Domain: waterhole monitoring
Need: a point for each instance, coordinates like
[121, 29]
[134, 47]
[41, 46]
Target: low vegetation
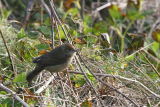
[118, 63]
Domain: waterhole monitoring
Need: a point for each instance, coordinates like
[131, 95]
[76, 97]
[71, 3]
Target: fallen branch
[45, 85]
[89, 82]
[123, 78]
[14, 95]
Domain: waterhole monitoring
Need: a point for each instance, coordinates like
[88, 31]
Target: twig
[54, 12]
[71, 91]
[123, 78]
[82, 8]
[52, 98]
[140, 49]
[157, 105]
[111, 87]
[155, 70]
[1, 5]
[105, 6]
[51, 15]
[154, 26]
[14, 95]
[52, 24]
[58, 33]
[61, 83]
[94, 89]
[28, 12]
[52, 33]
[46, 7]
[59, 21]
[45, 85]
[9, 54]
[153, 57]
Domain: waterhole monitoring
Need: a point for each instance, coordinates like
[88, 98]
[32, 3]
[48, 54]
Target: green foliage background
[120, 54]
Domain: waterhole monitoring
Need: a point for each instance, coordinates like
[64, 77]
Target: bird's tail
[34, 73]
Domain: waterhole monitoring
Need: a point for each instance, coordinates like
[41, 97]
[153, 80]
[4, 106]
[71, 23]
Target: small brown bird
[54, 61]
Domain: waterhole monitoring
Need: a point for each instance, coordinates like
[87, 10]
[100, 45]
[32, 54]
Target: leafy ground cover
[118, 63]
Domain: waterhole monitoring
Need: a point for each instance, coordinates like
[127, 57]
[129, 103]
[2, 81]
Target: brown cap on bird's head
[69, 47]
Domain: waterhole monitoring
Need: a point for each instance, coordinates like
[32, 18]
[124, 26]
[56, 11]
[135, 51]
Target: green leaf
[21, 34]
[47, 21]
[86, 29]
[115, 12]
[25, 48]
[42, 46]
[20, 77]
[3, 105]
[73, 12]
[156, 48]
[8, 102]
[100, 27]
[78, 80]
[147, 13]
[130, 57]
[133, 10]
[5, 13]
[152, 74]
[3, 92]
[156, 35]
[45, 30]
[61, 33]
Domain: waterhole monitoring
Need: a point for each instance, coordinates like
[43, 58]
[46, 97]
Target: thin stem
[9, 54]
[124, 34]
[14, 95]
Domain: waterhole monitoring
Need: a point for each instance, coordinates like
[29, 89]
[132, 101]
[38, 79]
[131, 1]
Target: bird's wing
[36, 59]
[51, 58]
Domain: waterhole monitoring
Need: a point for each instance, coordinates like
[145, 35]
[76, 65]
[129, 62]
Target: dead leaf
[68, 3]
[44, 40]
[79, 41]
[30, 95]
[156, 35]
[86, 103]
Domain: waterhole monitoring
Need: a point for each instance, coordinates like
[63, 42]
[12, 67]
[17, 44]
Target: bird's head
[69, 49]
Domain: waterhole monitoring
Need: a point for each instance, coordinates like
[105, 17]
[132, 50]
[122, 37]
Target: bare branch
[13, 94]
[9, 54]
[122, 78]
[111, 87]
[28, 12]
[45, 85]
[89, 82]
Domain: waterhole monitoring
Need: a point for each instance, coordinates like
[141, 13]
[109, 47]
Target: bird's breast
[59, 68]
